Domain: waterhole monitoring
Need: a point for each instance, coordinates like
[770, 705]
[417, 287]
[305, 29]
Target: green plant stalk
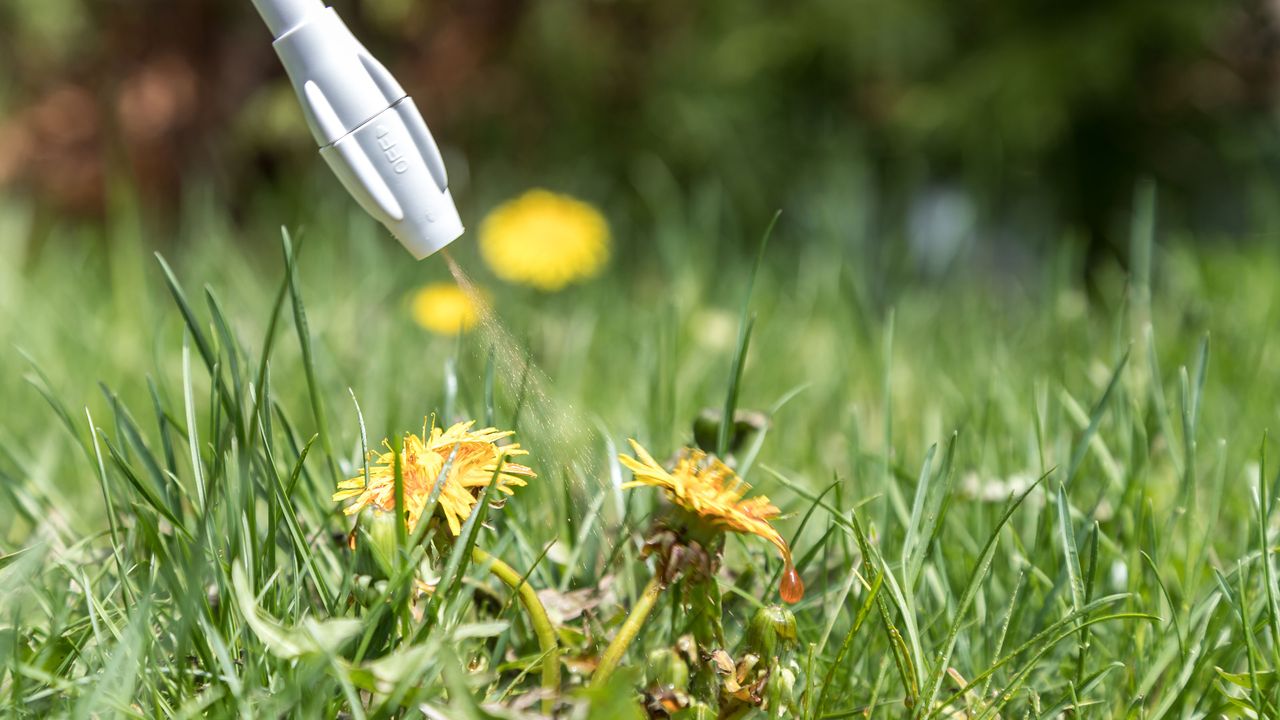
[537, 618]
[702, 597]
[627, 633]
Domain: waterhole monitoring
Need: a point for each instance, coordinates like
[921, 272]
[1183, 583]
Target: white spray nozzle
[369, 131]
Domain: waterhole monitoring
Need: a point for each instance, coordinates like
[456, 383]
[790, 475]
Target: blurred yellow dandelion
[545, 240]
[706, 487]
[443, 308]
[475, 460]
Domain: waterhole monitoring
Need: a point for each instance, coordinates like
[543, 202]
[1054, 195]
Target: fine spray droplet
[562, 424]
[792, 587]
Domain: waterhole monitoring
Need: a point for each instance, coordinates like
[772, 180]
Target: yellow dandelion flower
[708, 488]
[443, 308]
[474, 462]
[545, 240]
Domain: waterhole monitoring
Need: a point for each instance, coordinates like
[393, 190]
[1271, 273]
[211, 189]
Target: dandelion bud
[780, 690]
[769, 626]
[375, 543]
[746, 426]
[667, 670]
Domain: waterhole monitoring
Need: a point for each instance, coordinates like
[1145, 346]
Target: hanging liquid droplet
[792, 587]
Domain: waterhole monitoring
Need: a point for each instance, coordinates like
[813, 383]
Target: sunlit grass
[1003, 498]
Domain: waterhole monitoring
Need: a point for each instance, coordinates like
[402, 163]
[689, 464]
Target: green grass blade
[745, 322]
[934, 684]
[1095, 420]
[308, 357]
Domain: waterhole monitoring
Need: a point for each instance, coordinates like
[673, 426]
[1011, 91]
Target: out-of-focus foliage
[1016, 113]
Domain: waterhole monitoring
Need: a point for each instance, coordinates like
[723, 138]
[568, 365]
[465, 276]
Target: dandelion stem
[537, 618]
[635, 620]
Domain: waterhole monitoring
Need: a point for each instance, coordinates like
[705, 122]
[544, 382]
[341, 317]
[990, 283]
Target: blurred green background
[931, 126]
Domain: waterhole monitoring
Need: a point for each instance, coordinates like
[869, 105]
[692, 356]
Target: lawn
[1006, 495]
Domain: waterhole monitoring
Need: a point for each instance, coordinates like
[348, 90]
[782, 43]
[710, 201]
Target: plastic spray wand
[369, 131]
